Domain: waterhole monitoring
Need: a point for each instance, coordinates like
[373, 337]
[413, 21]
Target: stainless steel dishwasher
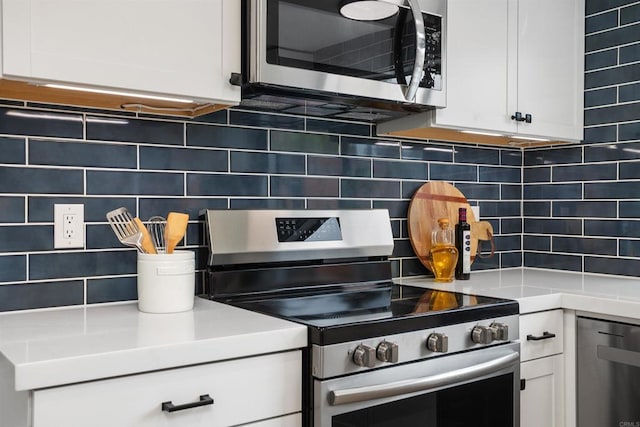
[608, 373]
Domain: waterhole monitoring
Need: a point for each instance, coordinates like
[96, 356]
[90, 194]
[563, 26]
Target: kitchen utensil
[156, 226]
[175, 229]
[147, 243]
[125, 228]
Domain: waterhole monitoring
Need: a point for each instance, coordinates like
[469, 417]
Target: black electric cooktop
[357, 312]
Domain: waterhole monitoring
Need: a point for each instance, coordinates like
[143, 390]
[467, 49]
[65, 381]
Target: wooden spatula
[147, 243]
[175, 230]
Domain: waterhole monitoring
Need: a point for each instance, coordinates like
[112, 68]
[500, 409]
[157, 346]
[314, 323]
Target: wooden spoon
[175, 230]
[147, 244]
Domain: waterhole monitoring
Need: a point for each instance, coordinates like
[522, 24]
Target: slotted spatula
[125, 228]
[175, 229]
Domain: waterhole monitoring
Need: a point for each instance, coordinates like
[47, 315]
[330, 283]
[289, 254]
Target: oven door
[479, 388]
[307, 44]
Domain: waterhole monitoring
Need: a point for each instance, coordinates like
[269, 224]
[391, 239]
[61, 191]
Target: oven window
[485, 403]
[312, 35]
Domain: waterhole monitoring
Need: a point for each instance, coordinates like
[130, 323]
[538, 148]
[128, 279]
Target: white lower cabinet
[260, 391]
[542, 400]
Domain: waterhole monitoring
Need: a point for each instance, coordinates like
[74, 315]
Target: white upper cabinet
[177, 48]
[506, 57]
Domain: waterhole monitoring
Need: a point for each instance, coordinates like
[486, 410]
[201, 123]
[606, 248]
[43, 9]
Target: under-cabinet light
[481, 133]
[119, 93]
[528, 138]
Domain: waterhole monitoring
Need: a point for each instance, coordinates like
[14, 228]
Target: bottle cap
[462, 215]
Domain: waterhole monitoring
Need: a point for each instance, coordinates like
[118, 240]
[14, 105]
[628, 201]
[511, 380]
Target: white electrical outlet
[68, 226]
[476, 212]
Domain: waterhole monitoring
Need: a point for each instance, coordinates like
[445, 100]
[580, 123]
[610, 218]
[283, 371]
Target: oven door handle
[367, 393]
[421, 51]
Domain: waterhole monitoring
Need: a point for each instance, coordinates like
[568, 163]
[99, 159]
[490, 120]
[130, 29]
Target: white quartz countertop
[61, 346]
[538, 290]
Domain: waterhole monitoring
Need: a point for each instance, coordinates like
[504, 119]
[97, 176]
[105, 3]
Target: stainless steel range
[379, 354]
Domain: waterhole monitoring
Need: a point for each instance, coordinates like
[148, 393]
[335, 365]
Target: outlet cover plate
[68, 226]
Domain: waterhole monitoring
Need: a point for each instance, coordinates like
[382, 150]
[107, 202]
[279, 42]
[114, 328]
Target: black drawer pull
[545, 336]
[205, 400]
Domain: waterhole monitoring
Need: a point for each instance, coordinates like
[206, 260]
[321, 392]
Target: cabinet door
[542, 400]
[550, 67]
[477, 67]
[184, 48]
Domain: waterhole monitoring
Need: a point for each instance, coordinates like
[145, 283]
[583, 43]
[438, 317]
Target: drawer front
[537, 332]
[242, 390]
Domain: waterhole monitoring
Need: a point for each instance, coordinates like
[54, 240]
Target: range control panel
[308, 229]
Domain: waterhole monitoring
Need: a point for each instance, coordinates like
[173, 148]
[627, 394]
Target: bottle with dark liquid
[463, 244]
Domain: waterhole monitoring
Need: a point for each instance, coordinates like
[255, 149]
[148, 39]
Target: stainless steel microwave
[311, 47]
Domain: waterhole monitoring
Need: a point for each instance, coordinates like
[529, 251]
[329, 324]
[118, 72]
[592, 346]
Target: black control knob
[482, 334]
[438, 343]
[364, 356]
[387, 352]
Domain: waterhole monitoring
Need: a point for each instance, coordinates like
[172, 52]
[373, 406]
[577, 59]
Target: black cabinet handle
[205, 400]
[236, 79]
[517, 117]
[528, 118]
[545, 336]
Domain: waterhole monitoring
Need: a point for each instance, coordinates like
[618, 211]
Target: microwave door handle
[421, 49]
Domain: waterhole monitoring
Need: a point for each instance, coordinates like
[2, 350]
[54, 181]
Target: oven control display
[308, 229]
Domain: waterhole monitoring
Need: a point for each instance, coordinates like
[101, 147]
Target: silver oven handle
[421, 47]
[363, 394]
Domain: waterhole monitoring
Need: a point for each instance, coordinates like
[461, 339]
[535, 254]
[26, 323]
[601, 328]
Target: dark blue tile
[444, 172]
[474, 191]
[12, 209]
[135, 130]
[12, 150]
[630, 53]
[553, 156]
[611, 76]
[242, 161]
[595, 6]
[413, 267]
[112, 290]
[629, 209]
[603, 21]
[598, 97]
[135, 183]
[510, 226]
[630, 92]
[338, 166]
[617, 266]
[600, 134]
[537, 174]
[86, 264]
[536, 243]
[536, 209]
[267, 204]
[400, 169]
[40, 181]
[580, 209]
[101, 236]
[511, 192]
[477, 155]
[612, 190]
[615, 37]
[500, 174]
[553, 226]
[629, 170]
[244, 118]
[553, 261]
[41, 295]
[629, 131]
[183, 159]
[226, 137]
[397, 209]
[95, 208]
[338, 204]
[602, 59]
[576, 245]
[360, 188]
[489, 263]
[219, 117]
[511, 259]
[395, 268]
[611, 228]
[612, 114]
[344, 128]
[227, 185]
[427, 152]
[370, 147]
[408, 188]
[13, 268]
[304, 142]
[24, 238]
[500, 209]
[629, 15]
[65, 153]
[304, 187]
[396, 229]
[11, 102]
[630, 248]
[402, 248]
[511, 158]
[599, 172]
[552, 191]
[610, 152]
[508, 243]
[14, 121]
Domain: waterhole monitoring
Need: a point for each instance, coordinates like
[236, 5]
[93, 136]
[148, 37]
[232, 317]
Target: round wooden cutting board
[433, 200]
